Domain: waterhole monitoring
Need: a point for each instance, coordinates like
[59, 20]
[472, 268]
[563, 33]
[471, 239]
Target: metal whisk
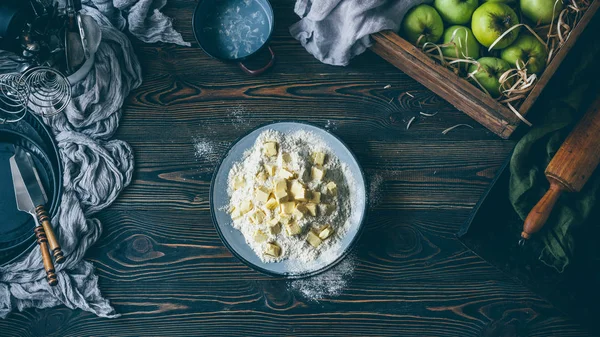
[14, 98]
[49, 90]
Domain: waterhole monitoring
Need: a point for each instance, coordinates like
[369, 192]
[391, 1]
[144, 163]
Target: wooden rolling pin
[569, 169]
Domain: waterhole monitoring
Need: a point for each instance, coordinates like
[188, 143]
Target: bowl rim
[326, 267]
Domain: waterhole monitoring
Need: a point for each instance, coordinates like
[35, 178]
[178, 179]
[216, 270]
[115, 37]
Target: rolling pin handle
[540, 212]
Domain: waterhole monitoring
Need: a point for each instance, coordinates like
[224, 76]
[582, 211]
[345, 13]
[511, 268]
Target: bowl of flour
[289, 199]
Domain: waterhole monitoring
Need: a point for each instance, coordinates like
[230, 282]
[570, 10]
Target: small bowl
[234, 239]
[235, 30]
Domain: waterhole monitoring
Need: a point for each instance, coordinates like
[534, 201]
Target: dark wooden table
[164, 268]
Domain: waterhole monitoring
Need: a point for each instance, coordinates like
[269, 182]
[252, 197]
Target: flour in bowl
[291, 197]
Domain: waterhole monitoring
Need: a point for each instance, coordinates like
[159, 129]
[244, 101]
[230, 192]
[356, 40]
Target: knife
[31, 198]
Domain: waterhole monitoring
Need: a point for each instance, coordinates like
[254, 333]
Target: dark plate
[16, 226]
[16, 237]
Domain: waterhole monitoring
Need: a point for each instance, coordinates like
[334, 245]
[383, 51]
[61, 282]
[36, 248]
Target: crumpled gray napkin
[96, 168]
[334, 31]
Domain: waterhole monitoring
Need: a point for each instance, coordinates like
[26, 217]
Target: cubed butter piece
[315, 197]
[260, 236]
[285, 174]
[276, 229]
[313, 239]
[257, 217]
[325, 232]
[288, 207]
[284, 219]
[280, 191]
[273, 249]
[271, 204]
[286, 157]
[235, 213]
[318, 158]
[293, 228]
[271, 169]
[298, 191]
[298, 215]
[245, 207]
[271, 149]
[261, 177]
[317, 172]
[238, 182]
[261, 195]
[331, 187]
[311, 208]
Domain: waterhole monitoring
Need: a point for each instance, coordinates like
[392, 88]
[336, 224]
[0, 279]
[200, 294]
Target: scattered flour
[238, 116]
[334, 209]
[331, 125]
[330, 283]
[375, 189]
[206, 150]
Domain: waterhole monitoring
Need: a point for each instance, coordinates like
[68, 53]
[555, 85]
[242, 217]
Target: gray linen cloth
[334, 31]
[96, 169]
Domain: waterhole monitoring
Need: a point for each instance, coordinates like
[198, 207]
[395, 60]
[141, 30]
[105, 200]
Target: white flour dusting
[238, 116]
[331, 125]
[294, 154]
[206, 150]
[327, 284]
[375, 187]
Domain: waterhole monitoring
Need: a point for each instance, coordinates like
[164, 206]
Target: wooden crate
[458, 91]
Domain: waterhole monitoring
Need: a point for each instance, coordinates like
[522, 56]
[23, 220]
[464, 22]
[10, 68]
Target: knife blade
[31, 196]
[26, 203]
[29, 191]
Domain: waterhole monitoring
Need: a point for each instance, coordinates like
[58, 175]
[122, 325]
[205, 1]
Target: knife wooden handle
[46, 259]
[44, 219]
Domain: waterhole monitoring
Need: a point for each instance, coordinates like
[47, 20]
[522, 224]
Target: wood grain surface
[164, 268]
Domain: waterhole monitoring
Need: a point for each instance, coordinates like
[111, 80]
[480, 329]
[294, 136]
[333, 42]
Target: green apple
[466, 44]
[541, 11]
[503, 1]
[527, 50]
[422, 20]
[488, 75]
[456, 12]
[491, 20]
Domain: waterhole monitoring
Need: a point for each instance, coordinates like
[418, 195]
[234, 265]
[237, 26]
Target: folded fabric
[535, 150]
[334, 31]
[96, 169]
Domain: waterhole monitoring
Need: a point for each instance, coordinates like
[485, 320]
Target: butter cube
[288, 207]
[286, 157]
[238, 182]
[245, 207]
[313, 239]
[235, 213]
[285, 174]
[311, 208]
[275, 229]
[270, 169]
[325, 232]
[293, 228]
[260, 236]
[318, 158]
[272, 249]
[284, 219]
[298, 215]
[298, 191]
[257, 217]
[280, 191]
[261, 195]
[317, 172]
[332, 187]
[271, 204]
[316, 197]
[261, 177]
[271, 149]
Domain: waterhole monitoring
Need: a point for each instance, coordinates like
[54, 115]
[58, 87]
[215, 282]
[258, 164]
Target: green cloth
[535, 150]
